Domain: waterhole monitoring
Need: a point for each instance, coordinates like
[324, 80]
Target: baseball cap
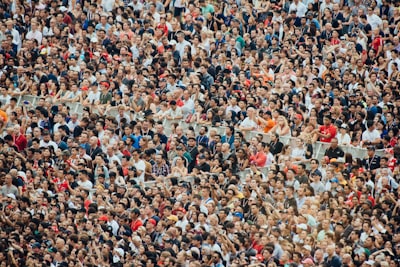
[238, 214]
[173, 218]
[11, 195]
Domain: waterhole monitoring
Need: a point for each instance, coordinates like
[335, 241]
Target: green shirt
[207, 9]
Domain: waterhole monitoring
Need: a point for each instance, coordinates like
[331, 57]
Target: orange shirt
[270, 124]
[3, 116]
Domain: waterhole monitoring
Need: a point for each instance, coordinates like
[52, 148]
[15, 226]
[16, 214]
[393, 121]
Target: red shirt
[376, 43]
[136, 224]
[260, 158]
[20, 142]
[330, 129]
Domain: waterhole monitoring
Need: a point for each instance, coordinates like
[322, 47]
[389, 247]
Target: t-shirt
[326, 130]
[141, 166]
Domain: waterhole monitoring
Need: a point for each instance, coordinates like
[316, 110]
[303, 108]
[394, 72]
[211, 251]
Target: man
[160, 168]
[334, 151]
[371, 136]
[47, 142]
[275, 146]
[202, 138]
[139, 164]
[174, 112]
[94, 149]
[332, 259]
[20, 140]
[259, 158]
[8, 189]
[326, 132]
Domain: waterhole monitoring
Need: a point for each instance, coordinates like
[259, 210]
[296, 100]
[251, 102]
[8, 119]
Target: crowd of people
[176, 152]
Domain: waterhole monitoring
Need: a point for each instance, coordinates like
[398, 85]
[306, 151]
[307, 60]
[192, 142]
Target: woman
[209, 118]
[285, 155]
[215, 165]
[282, 127]
[343, 136]
[179, 170]
[242, 159]
[198, 116]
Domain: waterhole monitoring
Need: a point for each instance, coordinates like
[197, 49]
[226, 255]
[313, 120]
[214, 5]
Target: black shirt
[334, 152]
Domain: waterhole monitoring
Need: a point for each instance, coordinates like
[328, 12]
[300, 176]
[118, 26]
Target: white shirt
[93, 96]
[371, 135]
[16, 38]
[5, 99]
[345, 139]
[298, 152]
[86, 185]
[140, 166]
[71, 125]
[50, 143]
[247, 123]
[35, 35]
[300, 8]
[188, 106]
[174, 113]
[180, 47]
[374, 21]
[107, 5]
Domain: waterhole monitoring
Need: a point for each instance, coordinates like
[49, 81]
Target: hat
[63, 8]
[307, 247]
[52, 250]
[85, 88]
[172, 103]
[153, 222]
[302, 226]
[11, 195]
[369, 262]
[36, 245]
[334, 180]
[173, 218]
[340, 160]
[120, 251]
[344, 126]
[308, 261]
[238, 214]
[172, 42]
[148, 112]
[310, 14]
[181, 210]
[299, 116]
[103, 218]
[105, 83]
[316, 172]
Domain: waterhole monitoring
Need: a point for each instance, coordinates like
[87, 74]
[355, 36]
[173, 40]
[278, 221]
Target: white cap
[302, 226]
[63, 8]
[120, 251]
[11, 195]
[172, 42]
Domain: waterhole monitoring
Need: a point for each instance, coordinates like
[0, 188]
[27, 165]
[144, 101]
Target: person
[326, 132]
[122, 78]
[334, 151]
